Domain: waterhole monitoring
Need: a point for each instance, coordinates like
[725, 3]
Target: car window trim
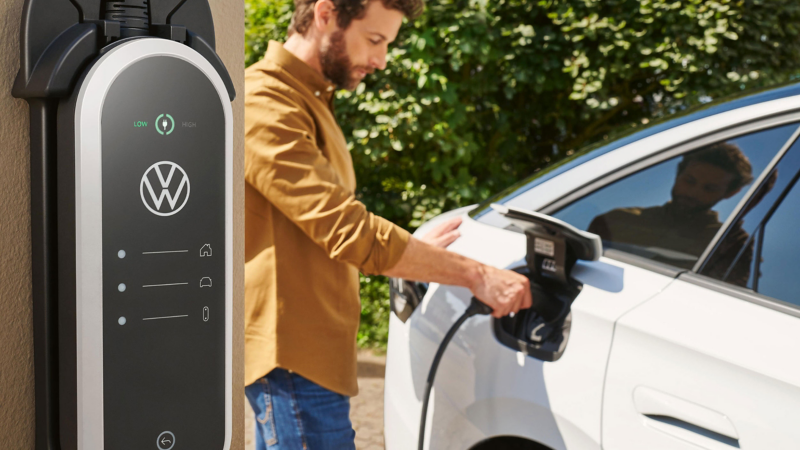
[677, 150]
[740, 293]
[723, 230]
[759, 247]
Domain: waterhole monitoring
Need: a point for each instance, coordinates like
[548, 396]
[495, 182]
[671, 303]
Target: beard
[336, 64]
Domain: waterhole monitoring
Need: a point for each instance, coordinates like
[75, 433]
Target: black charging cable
[475, 307]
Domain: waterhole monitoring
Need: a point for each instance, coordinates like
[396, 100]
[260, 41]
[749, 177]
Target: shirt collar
[316, 82]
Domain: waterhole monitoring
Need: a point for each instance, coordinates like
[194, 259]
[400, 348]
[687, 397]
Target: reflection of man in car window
[678, 231]
[732, 258]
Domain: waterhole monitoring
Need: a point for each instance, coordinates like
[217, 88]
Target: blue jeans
[293, 413]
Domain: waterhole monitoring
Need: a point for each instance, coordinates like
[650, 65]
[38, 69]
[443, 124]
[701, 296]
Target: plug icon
[165, 120]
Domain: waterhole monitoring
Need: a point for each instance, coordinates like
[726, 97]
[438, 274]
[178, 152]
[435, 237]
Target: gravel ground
[366, 409]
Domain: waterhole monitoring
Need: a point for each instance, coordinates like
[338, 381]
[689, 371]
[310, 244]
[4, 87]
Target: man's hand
[443, 234]
[504, 291]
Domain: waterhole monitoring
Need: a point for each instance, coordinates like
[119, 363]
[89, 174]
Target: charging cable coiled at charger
[475, 307]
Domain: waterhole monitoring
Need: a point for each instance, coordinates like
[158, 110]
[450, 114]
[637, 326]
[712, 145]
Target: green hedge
[479, 94]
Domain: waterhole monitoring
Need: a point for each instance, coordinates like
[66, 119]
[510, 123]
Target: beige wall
[16, 330]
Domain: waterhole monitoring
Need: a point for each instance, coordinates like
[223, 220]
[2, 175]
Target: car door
[713, 361]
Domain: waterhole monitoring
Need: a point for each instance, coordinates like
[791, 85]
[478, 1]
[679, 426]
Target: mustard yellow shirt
[306, 235]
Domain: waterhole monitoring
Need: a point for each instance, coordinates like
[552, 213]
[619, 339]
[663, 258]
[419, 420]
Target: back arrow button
[165, 441]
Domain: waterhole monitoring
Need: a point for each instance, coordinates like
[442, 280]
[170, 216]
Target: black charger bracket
[58, 38]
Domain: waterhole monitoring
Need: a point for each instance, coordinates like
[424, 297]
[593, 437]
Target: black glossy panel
[164, 368]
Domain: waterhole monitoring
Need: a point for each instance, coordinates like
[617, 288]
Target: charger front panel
[163, 258]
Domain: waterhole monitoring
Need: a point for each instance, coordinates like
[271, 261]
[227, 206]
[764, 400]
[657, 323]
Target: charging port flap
[553, 247]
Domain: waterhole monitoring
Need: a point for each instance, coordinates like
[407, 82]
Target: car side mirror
[405, 296]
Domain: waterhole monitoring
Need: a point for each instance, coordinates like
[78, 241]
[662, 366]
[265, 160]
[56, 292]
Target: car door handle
[666, 408]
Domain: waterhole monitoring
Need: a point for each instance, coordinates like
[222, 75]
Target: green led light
[161, 125]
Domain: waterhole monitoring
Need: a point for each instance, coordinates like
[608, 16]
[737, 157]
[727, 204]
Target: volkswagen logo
[172, 185]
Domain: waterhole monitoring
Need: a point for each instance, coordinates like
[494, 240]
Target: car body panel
[711, 350]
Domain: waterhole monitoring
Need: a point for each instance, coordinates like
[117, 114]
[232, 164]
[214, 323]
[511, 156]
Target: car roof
[729, 103]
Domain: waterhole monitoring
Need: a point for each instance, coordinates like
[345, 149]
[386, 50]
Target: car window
[779, 259]
[756, 251]
[670, 212]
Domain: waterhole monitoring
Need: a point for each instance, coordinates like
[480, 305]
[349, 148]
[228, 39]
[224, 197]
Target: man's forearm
[502, 290]
[424, 262]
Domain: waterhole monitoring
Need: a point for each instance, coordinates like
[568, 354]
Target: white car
[685, 334]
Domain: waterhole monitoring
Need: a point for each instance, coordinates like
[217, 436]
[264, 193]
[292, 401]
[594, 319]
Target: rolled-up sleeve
[285, 164]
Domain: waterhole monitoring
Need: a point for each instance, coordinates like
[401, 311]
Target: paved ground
[366, 409]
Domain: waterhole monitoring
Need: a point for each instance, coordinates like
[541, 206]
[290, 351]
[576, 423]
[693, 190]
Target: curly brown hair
[726, 156]
[347, 11]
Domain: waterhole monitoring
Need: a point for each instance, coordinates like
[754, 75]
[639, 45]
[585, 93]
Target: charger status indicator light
[165, 124]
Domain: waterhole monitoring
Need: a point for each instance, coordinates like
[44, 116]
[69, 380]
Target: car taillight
[405, 296]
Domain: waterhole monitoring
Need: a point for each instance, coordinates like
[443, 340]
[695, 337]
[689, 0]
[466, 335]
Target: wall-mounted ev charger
[131, 209]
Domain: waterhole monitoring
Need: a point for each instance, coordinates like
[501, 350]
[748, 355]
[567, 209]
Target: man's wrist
[475, 275]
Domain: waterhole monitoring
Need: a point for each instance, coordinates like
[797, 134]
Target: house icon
[205, 250]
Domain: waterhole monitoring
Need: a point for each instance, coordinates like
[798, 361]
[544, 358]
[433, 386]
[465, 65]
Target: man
[307, 237]
[681, 229]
